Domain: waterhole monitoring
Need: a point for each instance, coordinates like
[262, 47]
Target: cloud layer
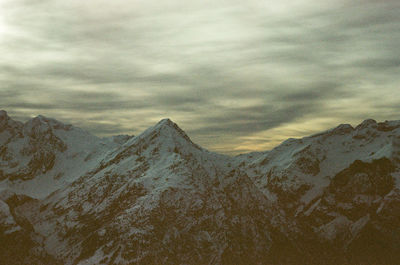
[236, 76]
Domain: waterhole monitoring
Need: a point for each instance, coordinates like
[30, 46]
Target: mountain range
[69, 197]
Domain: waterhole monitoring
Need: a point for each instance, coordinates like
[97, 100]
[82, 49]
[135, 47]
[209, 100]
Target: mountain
[333, 187]
[68, 197]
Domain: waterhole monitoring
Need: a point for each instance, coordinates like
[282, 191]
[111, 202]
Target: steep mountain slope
[158, 199]
[68, 197]
[332, 188]
[19, 243]
[42, 155]
[304, 167]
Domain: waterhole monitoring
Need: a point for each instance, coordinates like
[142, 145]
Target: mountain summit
[68, 197]
[168, 132]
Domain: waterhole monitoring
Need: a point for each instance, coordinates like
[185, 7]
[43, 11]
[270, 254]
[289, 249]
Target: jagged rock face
[332, 188]
[19, 244]
[348, 220]
[160, 206]
[35, 141]
[42, 145]
[43, 154]
[364, 179]
[300, 167]
[7, 124]
[40, 132]
[158, 198]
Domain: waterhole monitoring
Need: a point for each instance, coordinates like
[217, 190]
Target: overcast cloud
[238, 76]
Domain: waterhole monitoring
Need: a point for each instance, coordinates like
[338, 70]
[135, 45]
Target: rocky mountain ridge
[68, 197]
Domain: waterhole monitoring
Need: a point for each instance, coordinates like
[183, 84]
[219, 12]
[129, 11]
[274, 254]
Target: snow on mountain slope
[156, 190]
[358, 213]
[42, 155]
[335, 182]
[307, 165]
[158, 198]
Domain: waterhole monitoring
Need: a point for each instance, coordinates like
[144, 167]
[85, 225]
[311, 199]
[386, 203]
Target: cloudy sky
[237, 76]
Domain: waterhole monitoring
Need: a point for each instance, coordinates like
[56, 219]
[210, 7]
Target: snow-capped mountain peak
[168, 128]
[164, 137]
[366, 123]
[158, 198]
[42, 124]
